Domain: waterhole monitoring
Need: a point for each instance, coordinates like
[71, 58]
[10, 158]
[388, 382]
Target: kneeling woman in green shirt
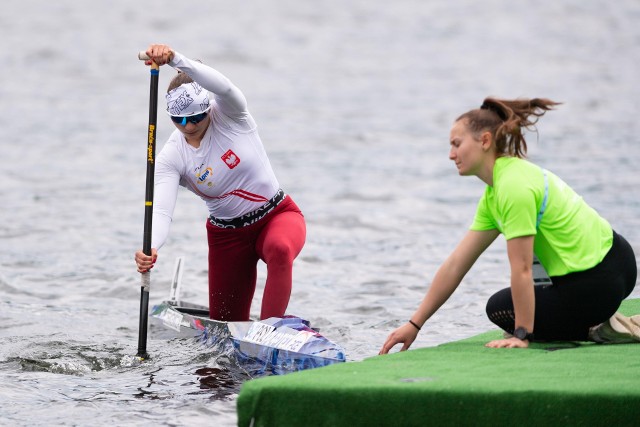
[592, 268]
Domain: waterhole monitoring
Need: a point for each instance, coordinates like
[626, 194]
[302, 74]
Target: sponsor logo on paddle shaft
[230, 159]
[150, 142]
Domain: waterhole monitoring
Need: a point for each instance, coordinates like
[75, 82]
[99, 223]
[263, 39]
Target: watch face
[520, 333]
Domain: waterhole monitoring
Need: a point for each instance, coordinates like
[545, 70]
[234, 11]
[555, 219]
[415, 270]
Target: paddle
[148, 206]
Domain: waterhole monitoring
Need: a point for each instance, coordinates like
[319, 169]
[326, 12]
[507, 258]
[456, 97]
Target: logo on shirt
[230, 159]
[203, 174]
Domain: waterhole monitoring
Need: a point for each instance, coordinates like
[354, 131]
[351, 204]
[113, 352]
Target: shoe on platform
[618, 329]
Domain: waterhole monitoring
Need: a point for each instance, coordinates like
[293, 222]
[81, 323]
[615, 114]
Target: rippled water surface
[354, 100]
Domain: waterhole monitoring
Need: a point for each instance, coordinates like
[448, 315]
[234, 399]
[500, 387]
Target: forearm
[213, 81]
[520, 252]
[523, 296]
[159, 230]
[165, 196]
[452, 271]
[443, 285]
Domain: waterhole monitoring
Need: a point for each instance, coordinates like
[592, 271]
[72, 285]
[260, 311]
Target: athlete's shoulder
[173, 151]
[513, 175]
[513, 167]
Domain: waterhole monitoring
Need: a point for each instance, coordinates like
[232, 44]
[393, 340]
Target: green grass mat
[458, 384]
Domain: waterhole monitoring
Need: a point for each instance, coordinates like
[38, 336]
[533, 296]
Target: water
[354, 100]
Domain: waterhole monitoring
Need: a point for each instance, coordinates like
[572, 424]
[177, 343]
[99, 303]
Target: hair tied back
[495, 109]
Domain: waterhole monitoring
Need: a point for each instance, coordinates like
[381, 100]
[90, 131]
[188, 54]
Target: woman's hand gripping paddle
[148, 204]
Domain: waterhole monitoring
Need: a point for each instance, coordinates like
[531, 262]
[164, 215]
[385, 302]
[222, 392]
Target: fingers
[405, 334]
[385, 348]
[388, 344]
[145, 262]
[507, 343]
[161, 54]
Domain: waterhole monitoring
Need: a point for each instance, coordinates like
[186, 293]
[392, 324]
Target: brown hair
[180, 79]
[505, 120]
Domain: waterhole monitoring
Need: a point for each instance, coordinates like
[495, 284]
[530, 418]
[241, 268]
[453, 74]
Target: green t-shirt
[571, 235]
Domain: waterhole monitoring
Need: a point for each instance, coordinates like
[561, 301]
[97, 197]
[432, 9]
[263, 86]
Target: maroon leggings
[233, 259]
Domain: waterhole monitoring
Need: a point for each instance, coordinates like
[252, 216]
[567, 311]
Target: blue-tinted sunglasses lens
[191, 119]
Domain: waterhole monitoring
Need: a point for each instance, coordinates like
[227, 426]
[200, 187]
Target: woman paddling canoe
[216, 153]
[592, 268]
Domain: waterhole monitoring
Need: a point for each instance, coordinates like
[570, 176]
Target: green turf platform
[459, 384]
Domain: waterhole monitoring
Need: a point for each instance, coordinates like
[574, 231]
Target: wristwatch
[522, 334]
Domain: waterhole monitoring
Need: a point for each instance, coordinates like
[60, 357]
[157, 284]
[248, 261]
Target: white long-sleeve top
[230, 170]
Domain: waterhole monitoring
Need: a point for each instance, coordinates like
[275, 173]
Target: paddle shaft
[148, 209]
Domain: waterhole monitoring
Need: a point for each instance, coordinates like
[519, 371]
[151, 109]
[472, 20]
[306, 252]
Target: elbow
[522, 274]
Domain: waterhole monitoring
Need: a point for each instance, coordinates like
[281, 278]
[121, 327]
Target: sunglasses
[191, 119]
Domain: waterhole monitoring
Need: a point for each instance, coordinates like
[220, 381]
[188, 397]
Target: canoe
[273, 346]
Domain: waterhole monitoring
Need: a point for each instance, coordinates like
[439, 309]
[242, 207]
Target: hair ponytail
[505, 119]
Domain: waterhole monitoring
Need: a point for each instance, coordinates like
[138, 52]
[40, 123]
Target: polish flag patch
[230, 159]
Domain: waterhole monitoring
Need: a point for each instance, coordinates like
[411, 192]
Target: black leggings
[577, 301]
